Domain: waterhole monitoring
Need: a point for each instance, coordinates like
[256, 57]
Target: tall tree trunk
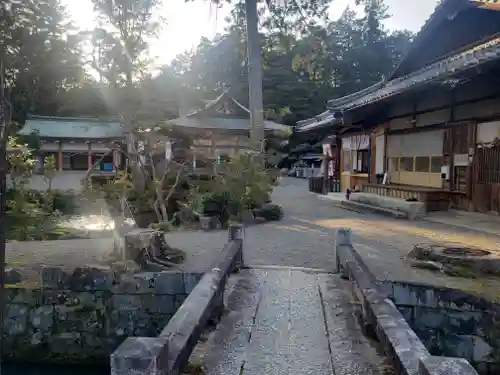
[3, 189]
[254, 75]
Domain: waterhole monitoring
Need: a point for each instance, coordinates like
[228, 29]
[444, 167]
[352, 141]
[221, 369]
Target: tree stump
[148, 248]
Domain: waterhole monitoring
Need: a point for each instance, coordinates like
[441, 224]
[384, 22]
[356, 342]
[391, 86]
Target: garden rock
[92, 278]
[12, 276]
[53, 277]
[209, 223]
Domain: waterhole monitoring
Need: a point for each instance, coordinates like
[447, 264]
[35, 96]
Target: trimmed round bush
[270, 212]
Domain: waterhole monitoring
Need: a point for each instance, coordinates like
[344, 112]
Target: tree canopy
[54, 69]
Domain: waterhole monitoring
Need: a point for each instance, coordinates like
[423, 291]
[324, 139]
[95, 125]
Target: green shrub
[64, 202]
[270, 212]
[219, 205]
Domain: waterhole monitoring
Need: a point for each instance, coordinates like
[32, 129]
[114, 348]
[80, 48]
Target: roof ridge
[225, 94]
[491, 43]
[73, 119]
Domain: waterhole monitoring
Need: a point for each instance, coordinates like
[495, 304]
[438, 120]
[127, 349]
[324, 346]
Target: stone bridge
[286, 321]
[275, 319]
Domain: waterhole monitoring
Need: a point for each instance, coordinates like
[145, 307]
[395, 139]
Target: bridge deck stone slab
[280, 322]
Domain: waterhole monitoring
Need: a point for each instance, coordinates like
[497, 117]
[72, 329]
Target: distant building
[220, 129]
[77, 144]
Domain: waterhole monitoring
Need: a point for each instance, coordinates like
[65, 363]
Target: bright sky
[188, 22]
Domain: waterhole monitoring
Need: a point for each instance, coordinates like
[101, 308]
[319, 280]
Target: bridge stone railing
[169, 352]
[399, 341]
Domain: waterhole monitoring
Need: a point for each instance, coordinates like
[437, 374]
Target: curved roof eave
[323, 119]
[318, 125]
[339, 102]
[473, 57]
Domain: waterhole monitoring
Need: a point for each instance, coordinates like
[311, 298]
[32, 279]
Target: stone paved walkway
[290, 322]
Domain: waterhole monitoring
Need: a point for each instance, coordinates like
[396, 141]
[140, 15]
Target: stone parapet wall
[380, 315]
[169, 352]
[85, 316]
[450, 322]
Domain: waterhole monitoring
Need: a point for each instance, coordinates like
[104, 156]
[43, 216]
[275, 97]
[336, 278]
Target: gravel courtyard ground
[306, 235]
[304, 238]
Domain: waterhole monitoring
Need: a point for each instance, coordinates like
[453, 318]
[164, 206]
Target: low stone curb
[399, 341]
[347, 205]
[169, 352]
[364, 207]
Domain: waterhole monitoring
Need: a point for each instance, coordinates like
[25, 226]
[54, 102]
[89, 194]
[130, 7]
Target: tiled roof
[323, 119]
[441, 13]
[61, 127]
[200, 119]
[224, 96]
[222, 123]
[334, 103]
[444, 10]
[447, 68]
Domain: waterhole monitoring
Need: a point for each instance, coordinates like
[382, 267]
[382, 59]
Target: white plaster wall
[429, 143]
[75, 147]
[379, 153]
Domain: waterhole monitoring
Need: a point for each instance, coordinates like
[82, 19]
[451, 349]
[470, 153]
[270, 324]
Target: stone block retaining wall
[379, 312]
[85, 316]
[451, 323]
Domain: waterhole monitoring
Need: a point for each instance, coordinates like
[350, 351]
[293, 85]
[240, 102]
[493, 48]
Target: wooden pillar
[339, 162]
[117, 159]
[89, 156]
[338, 159]
[60, 156]
[386, 163]
[471, 169]
[372, 156]
[326, 164]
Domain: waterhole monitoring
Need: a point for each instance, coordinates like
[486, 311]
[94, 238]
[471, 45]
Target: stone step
[365, 207]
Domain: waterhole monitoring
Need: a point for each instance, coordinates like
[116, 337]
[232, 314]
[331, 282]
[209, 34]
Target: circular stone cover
[458, 255]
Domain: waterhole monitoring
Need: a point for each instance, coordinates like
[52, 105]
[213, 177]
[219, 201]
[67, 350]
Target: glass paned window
[363, 161]
[436, 163]
[406, 164]
[347, 161]
[422, 164]
[393, 164]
